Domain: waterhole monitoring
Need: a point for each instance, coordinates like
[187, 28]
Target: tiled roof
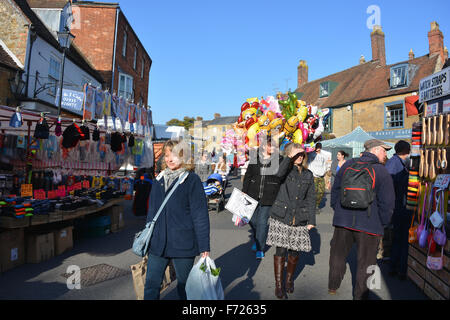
[222, 121]
[366, 81]
[7, 60]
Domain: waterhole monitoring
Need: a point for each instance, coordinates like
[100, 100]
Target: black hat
[42, 130]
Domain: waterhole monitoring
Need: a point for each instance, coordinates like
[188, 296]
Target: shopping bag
[139, 272]
[203, 282]
[241, 205]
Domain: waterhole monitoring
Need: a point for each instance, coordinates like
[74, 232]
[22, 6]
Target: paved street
[242, 276]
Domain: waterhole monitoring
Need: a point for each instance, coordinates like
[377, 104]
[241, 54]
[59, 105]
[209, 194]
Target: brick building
[106, 38]
[372, 94]
[10, 69]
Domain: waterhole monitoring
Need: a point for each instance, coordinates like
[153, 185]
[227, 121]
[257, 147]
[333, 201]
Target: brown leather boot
[278, 263]
[292, 265]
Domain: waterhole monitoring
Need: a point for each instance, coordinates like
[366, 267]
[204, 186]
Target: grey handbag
[142, 239]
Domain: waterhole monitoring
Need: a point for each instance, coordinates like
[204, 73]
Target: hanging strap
[416, 208]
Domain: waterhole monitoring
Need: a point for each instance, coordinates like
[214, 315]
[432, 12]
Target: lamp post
[65, 39]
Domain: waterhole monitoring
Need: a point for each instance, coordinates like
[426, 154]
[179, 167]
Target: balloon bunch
[285, 118]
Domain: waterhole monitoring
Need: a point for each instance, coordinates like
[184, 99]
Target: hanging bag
[435, 263]
[440, 237]
[142, 239]
[412, 238]
[422, 221]
[423, 238]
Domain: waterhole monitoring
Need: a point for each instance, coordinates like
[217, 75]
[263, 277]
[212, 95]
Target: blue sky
[210, 56]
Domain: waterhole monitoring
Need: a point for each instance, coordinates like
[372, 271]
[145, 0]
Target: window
[328, 123]
[142, 68]
[394, 115]
[53, 75]
[135, 58]
[323, 90]
[399, 76]
[125, 86]
[124, 46]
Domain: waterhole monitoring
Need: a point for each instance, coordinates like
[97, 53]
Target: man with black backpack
[363, 200]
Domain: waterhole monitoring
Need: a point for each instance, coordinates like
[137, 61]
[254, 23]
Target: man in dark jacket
[262, 184]
[401, 219]
[363, 227]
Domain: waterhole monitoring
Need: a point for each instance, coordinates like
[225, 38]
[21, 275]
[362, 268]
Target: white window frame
[394, 115]
[53, 78]
[399, 76]
[124, 45]
[324, 92]
[128, 91]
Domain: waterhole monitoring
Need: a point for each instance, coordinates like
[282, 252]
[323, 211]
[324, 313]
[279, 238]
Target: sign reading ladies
[435, 86]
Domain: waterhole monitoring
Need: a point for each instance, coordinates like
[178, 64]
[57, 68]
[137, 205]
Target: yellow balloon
[301, 103]
[251, 134]
[302, 113]
[247, 114]
[297, 137]
[251, 100]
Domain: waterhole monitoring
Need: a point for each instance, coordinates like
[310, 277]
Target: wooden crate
[420, 282]
[438, 284]
[431, 293]
[417, 267]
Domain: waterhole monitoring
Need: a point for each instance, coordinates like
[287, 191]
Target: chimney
[199, 119]
[411, 54]
[362, 60]
[302, 76]
[436, 40]
[378, 45]
[217, 115]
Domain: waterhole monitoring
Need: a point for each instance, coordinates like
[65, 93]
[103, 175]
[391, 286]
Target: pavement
[242, 276]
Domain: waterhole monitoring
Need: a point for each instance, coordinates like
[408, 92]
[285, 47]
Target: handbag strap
[416, 208]
[181, 178]
[424, 204]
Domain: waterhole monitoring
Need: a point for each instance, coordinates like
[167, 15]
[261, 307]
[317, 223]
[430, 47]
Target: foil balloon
[264, 122]
[251, 100]
[291, 125]
[302, 113]
[298, 136]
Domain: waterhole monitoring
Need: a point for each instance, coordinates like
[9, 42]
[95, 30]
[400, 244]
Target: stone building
[372, 94]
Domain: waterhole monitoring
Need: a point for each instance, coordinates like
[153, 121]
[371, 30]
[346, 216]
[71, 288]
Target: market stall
[428, 191]
[60, 174]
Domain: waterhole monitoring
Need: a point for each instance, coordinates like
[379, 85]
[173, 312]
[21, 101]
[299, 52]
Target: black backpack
[357, 186]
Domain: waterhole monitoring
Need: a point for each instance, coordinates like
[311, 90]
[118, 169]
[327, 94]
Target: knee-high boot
[279, 276]
[292, 265]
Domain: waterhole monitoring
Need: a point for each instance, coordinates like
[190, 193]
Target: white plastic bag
[202, 284]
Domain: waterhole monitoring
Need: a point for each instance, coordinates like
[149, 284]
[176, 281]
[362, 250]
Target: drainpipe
[32, 36]
[114, 53]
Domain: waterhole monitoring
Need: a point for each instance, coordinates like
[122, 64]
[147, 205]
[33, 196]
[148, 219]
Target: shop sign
[392, 134]
[432, 109]
[435, 86]
[442, 181]
[71, 101]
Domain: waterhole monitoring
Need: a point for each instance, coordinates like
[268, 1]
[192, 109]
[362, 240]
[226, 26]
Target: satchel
[413, 231]
[435, 263]
[142, 239]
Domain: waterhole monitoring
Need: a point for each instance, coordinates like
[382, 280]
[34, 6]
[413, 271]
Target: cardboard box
[117, 221]
[63, 240]
[12, 249]
[40, 247]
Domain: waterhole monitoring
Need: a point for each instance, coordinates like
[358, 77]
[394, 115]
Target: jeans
[341, 244]
[260, 226]
[399, 252]
[155, 274]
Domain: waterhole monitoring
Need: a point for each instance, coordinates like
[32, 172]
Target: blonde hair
[288, 149]
[179, 147]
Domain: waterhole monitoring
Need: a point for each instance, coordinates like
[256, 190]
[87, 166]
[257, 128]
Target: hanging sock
[58, 128]
[16, 120]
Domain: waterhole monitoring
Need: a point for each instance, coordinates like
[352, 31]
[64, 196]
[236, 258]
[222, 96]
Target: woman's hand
[205, 254]
[310, 226]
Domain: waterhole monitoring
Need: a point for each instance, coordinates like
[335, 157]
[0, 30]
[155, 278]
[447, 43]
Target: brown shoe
[332, 292]
[279, 276]
[292, 265]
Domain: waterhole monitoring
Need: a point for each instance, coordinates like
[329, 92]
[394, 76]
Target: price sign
[78, 186]
[86, 184]
[442, 181]
[39, 194]
[52, 194]
[61, 191]
[26, 190]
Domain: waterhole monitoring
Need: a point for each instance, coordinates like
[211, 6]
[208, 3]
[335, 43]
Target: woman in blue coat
[182, 230]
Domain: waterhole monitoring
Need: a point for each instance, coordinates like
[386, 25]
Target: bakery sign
[435, 86]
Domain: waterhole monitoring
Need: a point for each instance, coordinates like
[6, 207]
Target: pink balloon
[300, 125]
[305, 134]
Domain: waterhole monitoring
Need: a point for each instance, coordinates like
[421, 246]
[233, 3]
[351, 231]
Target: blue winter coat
[381, 209]
[182, 229]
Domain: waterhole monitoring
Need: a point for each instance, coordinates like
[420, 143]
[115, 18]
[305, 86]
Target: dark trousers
[399, 250]
[155, 274]
[260, 226]
[341, 244]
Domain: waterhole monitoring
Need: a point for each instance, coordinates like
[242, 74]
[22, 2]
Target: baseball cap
[376, 143]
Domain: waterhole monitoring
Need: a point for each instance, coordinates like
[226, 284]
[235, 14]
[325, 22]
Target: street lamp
[16, 85]
[65, 39]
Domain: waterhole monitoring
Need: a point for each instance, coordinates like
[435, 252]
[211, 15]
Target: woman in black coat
[291, 217]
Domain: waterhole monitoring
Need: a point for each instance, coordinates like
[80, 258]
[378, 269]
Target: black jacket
[259, 183]
[295, 202]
